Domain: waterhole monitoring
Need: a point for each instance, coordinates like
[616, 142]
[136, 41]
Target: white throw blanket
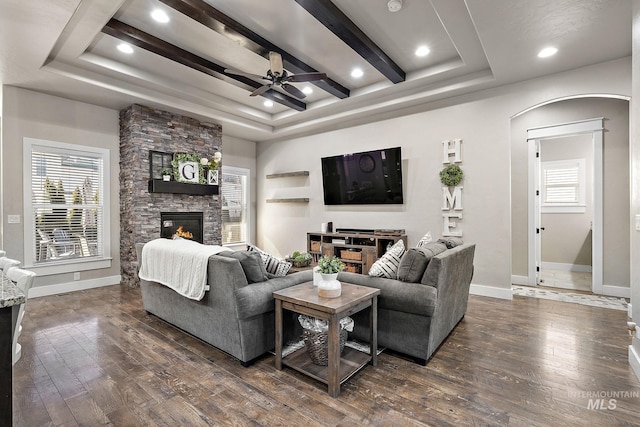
[178, 264]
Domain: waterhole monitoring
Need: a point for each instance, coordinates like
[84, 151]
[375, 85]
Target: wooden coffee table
[304, 299]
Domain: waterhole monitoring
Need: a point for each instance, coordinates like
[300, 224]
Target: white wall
[32, 114]
[481, 120]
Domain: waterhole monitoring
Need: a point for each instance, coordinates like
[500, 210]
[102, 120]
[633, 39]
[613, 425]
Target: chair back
[84, 246]
[23, 280]
[7, 263]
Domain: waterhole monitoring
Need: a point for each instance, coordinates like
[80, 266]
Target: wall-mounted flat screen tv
[371, 177]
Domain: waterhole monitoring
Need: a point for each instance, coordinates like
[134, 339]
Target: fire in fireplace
[188, 225]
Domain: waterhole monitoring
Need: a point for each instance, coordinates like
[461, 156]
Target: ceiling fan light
[394, 5]
[307, 90]
[160, 16]
[268, 103]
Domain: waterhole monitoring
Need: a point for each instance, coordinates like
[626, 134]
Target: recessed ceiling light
[547, 52]
[422, 51]
[125, 48]
[307, 90]
[357, 73]
[268, 103]
[394, 5]
[160, 16]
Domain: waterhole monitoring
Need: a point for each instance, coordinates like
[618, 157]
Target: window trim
[247, 173]
[578, 207]
[74, 264]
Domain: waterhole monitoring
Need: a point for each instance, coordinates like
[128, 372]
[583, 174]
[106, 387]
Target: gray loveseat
[414, 318]
[235, 316]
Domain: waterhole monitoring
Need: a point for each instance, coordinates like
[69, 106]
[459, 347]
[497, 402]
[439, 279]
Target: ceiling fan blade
[293, 91]
[242, 73]
[275, 61]
[260, 90]
[306, 77]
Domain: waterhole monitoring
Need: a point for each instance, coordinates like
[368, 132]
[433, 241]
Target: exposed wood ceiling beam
[212, 18]
[146, 41]
[339, 24]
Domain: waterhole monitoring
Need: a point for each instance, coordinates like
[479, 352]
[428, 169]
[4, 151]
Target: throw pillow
[424, 240]
[387, 265]
[416, 260]
[252, 265]
[451, 242]
[412, 266]
[272, 264]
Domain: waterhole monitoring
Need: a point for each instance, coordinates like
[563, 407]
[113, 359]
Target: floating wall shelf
[160, 186]
[295, 200]
[288, 174]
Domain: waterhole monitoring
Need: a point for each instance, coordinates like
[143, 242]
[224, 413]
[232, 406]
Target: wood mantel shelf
[288, 174]
[160, 186]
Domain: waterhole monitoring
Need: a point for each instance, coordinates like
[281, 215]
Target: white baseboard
[616, 291]
[634, 359]
[566, 267]
[491, 291]
[519, 280]
[61, 288]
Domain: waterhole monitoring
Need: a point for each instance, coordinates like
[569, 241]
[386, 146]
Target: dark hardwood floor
[97, 358]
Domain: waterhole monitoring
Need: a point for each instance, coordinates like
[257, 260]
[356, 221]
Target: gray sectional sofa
[237, 316]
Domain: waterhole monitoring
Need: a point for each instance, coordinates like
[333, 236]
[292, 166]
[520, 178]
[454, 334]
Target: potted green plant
[300, 259]
[329, 267]
[166, 174]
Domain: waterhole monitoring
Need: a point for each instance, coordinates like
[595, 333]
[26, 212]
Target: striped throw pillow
[387, 265]
[272, 264]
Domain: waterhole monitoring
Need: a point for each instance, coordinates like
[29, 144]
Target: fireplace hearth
[188, 225]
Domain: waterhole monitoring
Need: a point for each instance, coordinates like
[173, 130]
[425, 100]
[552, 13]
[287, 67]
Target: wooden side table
[304, 299]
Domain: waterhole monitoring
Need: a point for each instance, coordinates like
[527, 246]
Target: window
[66, 207]
[563, 186]
[235, 211]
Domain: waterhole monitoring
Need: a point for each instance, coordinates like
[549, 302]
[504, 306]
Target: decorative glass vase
[328, 286]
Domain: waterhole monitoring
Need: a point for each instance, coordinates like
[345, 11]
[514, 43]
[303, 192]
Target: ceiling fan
[278, 76]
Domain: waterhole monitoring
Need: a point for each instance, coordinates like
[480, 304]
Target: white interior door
[534, 136]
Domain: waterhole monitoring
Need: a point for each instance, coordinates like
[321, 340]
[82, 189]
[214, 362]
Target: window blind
[67, 204]
[234, 190]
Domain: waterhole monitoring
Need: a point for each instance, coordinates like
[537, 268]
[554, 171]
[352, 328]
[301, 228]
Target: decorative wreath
[451, 175]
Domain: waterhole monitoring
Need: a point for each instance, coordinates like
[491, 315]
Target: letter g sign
[189, 172]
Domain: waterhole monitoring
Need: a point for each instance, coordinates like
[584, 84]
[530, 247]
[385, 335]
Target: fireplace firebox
[188, 225]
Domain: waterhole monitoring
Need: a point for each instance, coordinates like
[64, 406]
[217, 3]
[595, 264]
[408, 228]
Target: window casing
[66, 207]
[235, 205]
[563, 187]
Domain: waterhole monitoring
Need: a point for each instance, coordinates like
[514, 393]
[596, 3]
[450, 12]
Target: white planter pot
[328, 286]
[166, 177]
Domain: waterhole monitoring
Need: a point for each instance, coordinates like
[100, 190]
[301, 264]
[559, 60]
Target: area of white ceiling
[59, 48]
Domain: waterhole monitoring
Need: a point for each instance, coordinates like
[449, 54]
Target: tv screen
[371, 177]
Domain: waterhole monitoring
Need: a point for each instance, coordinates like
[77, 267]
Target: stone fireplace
[144, 129]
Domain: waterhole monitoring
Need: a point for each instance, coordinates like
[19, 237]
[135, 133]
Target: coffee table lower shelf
[351, 361]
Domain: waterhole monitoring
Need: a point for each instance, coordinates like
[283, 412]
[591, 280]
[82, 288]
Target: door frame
[595, 127]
